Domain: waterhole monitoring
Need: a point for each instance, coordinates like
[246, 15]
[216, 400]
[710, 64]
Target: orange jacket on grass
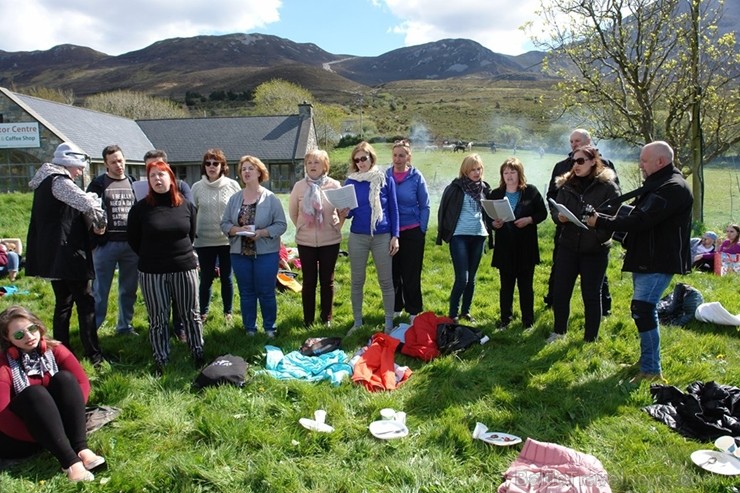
[376, 367]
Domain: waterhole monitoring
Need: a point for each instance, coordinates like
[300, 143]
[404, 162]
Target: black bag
[226, 369]
[316, 346]
[455, 337]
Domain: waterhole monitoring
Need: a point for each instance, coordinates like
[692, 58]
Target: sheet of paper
[566, 212]
[342, 198]
[141, 189]
[498, 209]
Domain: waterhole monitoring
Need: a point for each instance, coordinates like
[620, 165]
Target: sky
[351, 27]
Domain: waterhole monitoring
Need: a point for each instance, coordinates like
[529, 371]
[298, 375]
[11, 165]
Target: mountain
[240, 62]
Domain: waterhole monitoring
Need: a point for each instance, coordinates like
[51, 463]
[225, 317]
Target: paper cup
[319, 416]
[479, 430]
[388, 413]
[400, 417]
[727, 444]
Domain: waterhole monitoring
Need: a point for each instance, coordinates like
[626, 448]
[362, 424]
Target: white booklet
[498, 209]
[566, 212]
[141, 188]
[342, 198]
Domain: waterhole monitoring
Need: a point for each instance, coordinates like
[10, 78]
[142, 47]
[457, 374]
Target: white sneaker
[554, 337]
[270, 334]
[396, 314]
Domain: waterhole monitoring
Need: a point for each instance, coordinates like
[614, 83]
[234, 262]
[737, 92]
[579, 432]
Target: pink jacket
[330, 232]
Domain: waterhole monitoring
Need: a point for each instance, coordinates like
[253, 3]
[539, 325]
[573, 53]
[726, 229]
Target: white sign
[19, 135]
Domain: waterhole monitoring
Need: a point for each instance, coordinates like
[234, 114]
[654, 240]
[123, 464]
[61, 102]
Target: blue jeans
[207, 259]
[256, 277]
[649, 288]
[105, 258]
[466, 252]
[12, 265]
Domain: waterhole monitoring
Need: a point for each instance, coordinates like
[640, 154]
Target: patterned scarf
[376, 178]
[312, 207]
[474, 189]
[29, 365]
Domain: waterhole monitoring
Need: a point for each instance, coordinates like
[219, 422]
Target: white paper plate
[387, 429]
[312, 425]
[500, 439]
[245, 233]
[717, 462]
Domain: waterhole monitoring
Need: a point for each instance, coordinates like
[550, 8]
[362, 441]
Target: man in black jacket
[657, 243]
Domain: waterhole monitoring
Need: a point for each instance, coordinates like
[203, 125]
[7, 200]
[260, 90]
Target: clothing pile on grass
[331, 366]
[11, 290]
[706, 411]
[686, 303]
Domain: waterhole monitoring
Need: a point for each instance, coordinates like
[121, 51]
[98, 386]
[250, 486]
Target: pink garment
[552, 468]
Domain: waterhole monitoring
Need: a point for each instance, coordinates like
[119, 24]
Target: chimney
[305, 110]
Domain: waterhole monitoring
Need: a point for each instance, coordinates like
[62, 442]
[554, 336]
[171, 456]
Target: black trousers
[407, 265]
[317, 264]
[592, 268]
[68, 293]
[55, 418]
[524, 279]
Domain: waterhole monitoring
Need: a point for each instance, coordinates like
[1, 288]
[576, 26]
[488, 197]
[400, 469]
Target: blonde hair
[469, 163]
[319, 154]
[264, 174]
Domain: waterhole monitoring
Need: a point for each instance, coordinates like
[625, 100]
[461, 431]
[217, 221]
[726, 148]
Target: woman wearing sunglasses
[374, 229]
[210, 196]
[581, 251]
[43, 391]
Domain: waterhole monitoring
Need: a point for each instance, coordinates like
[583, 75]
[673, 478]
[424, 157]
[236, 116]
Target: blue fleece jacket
[413, 199]
[361, 214]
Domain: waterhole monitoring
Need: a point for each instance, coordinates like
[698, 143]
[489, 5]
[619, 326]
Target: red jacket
[421, 337]
[10, 424]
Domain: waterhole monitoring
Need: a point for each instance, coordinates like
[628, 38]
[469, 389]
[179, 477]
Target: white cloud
[493, 23]
[120, 27]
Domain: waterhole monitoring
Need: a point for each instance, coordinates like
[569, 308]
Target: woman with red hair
[161, 230]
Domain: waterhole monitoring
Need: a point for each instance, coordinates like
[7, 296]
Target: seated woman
[43, 391]
[700, 247]
[9, 262]
[730, 245]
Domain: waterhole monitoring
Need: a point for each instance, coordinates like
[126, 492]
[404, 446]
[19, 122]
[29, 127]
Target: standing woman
[516, 250]
[413, 217]
[210, 195]
[254, 220]
[43, 391]
[461, 223]
[583, 252]
[374, 229]
[161, 230]
[318, 234]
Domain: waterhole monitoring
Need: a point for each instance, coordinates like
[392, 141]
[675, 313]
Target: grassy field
[169, 439]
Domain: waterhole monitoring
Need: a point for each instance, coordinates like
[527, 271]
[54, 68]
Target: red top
[10, 424]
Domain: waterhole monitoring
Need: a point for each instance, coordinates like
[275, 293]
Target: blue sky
[353, 27]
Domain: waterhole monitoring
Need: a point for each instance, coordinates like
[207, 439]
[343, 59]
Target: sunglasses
[30, 329]
[362, 159]
[581, 160]
[213, 163]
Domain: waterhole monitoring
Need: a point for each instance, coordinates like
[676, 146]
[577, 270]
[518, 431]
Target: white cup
[387, 413]
[727, 444]
[400, 417]
[319, 416]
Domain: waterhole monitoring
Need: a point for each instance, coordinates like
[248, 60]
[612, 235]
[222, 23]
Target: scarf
[312, 207]
[474, 189]
[376, 178]
[29, 365]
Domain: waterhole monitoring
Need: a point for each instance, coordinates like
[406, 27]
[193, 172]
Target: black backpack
[226, 369]
[456, 337]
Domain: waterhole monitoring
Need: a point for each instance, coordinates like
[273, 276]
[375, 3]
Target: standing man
[657, 243]
[578, 138]
[58, 245]
[112, 248]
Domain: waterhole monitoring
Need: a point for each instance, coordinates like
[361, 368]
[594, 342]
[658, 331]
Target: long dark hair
[14, 312]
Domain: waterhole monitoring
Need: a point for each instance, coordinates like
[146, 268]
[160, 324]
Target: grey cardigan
[269, 215]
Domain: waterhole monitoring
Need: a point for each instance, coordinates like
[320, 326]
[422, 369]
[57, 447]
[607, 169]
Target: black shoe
[199, 362]
[158, 370]
[466, 317]
[548, 302]
[130, 332]
[503, 323]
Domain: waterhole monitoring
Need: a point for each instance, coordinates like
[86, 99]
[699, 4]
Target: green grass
[169, 439]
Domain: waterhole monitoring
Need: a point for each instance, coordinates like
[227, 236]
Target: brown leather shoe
[648, 377]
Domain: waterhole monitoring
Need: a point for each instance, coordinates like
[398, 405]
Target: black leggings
[55, 418]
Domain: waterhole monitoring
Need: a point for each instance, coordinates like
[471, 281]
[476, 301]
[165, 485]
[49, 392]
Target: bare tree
[628, 66]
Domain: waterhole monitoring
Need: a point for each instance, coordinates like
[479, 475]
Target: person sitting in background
[700, 247]
[9, 262]
[730, 245]
[43, 391]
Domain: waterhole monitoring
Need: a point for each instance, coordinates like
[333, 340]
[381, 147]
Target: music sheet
[498, 209]
[342, 198]
[566, 212]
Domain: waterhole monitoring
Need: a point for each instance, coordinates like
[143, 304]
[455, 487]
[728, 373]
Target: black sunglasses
[581, 160]
[212, 163]
[362, 159]
[30, 329]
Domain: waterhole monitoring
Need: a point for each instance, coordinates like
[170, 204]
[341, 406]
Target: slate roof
[270, 138]
[90, 130]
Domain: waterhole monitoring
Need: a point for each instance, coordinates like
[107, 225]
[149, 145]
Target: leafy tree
[628, 66]
[279, 97]
[328, 119]
[65, 96]
[508, 134]
[134, 105]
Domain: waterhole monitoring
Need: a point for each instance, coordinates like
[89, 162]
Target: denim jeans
[207, 259]
[12, 265]
[649, 288]
[466, 252]
[105, 258]
[256, 277]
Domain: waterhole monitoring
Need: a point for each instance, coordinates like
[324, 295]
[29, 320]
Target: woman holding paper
[318, 234]
[374, 229]
[413, 215]
[462, 224]
[516, 250]
[581, 251]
